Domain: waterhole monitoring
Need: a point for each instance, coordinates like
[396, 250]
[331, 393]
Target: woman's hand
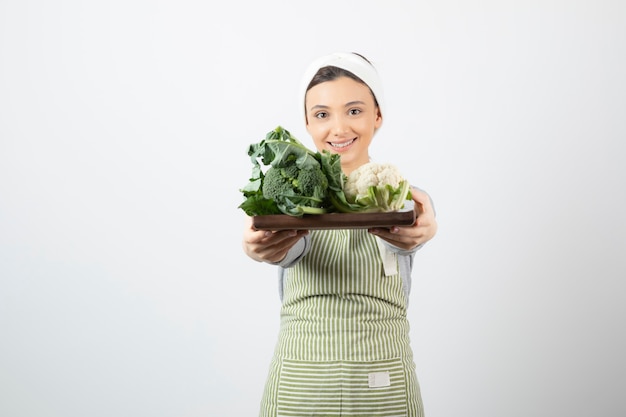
[269, 246]
[424, 228]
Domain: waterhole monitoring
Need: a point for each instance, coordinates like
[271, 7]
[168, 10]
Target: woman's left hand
[424, 228]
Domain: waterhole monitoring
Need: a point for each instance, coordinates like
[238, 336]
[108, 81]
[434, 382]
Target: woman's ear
[379, 118]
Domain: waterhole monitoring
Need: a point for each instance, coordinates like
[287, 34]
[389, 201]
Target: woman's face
[342, 118]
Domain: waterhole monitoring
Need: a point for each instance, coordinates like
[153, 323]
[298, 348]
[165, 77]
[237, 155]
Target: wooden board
[405, 217]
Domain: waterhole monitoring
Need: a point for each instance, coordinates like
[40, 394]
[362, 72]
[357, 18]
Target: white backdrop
[124, 127]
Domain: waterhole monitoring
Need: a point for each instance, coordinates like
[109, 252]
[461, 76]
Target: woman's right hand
[269, 246]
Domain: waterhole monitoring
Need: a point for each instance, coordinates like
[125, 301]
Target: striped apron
[343, 345]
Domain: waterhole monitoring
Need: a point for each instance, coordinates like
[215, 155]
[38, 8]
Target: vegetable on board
[373, 187]
[288, 178]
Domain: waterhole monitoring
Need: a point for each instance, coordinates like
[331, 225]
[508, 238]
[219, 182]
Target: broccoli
[279, 182]
[307, 185]
[312, 181]
[296, 181]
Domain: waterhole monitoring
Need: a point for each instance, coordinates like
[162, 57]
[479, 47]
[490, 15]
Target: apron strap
[390, 264]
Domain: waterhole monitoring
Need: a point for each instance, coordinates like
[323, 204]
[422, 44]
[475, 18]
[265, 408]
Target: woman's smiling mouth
[342, 144]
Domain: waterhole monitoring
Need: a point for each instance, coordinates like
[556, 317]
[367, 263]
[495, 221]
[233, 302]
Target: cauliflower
[372, 174]
[374, 187]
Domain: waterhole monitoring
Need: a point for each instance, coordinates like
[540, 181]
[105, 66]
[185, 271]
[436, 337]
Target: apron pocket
[342, 388]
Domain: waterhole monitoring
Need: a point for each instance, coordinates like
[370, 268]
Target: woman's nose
[340, 126]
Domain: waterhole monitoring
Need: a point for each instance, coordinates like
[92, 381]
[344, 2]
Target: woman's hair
[331, 73]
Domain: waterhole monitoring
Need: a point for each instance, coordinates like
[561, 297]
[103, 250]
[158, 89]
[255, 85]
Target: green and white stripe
[340, 388]
[342, 320]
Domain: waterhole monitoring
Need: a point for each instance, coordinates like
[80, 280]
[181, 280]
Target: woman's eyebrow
[348, 104]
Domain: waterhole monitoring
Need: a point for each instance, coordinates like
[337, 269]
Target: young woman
[343, 346]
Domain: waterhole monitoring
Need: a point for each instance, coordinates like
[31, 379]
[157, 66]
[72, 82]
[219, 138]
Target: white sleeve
[296, 252]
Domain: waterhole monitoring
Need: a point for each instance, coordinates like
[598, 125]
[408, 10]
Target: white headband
[349, 62]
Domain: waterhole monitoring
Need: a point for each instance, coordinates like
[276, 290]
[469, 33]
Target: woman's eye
[320, 115]
[355, 111]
